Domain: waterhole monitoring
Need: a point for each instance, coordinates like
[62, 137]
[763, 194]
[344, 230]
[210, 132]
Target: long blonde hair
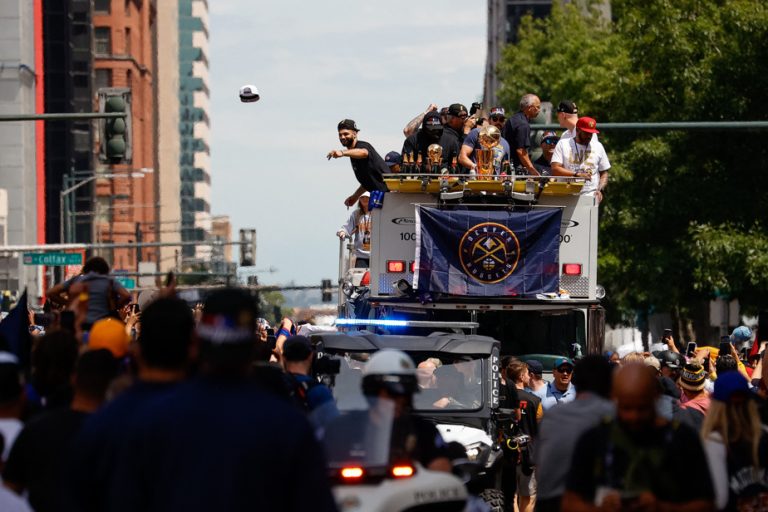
[735, 422]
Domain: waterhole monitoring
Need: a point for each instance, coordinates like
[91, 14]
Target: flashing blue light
[365, 321]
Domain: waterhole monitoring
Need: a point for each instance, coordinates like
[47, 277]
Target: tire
[494, 498]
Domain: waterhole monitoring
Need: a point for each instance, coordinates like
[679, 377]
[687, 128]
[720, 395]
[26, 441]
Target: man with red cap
[583, 157]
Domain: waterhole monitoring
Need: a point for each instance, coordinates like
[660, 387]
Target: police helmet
[671, 360]
[391, 370]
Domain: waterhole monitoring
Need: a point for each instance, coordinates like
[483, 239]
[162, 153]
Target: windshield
[447, 382]
[361, 437]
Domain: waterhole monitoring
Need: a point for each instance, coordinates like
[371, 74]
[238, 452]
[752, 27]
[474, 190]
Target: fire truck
[566, 320]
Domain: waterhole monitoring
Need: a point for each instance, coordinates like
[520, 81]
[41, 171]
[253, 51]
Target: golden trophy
[435, 157]
[488, 137]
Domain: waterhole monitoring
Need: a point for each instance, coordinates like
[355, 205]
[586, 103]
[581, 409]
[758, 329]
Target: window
[103, 40]
[127, 41]
[103, 78]
[101, 6]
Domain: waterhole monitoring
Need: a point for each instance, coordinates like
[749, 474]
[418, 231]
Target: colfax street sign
[52, 259]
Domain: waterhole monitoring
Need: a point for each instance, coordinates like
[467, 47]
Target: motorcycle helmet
[391, 370]
[671, 359]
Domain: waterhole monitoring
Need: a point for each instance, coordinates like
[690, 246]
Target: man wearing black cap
[309, 394]
[458, 122]
[517, 131]
[431, 132]
[394, 160]
[413, 124]
[471, 143]
[548, 142]
[366, 162]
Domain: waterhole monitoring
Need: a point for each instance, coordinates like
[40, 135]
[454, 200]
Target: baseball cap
[535, 366]
[550, 135]
[432, 120]
[741, 333]
[297, 348]
[393, 158]
[109, 333]
[692, 377]
[653, 362]
[729, 384]
[457, 109]
[568, 107]
[497, 111]
[669, 359]
[348, 124]
[560, 361]
[587, 124]
[444, 111]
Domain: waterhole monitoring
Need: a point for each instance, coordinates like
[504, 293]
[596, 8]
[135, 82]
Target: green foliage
[682, 216]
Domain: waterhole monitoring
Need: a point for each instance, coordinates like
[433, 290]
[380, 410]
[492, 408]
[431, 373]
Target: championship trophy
[434, 156]
[488, 137]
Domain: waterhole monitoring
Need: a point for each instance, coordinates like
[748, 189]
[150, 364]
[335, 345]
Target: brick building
[126, 206]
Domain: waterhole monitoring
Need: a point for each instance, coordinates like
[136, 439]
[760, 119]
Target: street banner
[487, 253]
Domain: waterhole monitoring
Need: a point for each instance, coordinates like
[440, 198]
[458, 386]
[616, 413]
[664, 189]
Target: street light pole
[64, 193]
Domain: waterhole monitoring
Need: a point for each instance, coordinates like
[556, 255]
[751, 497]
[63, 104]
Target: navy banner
[487, 253]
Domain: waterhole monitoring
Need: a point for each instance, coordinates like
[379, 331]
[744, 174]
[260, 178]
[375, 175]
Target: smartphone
[135, 309]
[691, 350]
[667, 333]
[725, 345]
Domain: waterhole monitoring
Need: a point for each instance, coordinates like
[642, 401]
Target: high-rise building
[18, 170]
[194, 127]
[168, 137]
[125, 207]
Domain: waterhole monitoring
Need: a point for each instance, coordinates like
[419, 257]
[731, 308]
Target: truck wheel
[494, 498]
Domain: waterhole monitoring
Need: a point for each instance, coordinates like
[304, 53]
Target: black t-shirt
[368, 171]
[668, 461]
[748, 488]
[543, 166]
[37, 458]
[529, 405]
[418, 144]
[517, 131]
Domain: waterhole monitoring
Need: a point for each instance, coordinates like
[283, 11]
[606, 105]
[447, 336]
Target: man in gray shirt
[562, 426]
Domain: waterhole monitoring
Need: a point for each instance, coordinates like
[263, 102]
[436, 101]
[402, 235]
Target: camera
[249, 94]
[326, 365]
[474, 108]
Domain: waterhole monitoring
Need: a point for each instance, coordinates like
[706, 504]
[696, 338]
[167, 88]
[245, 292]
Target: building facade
[194, 125]
[18, 162]
[126, 203]
[167, 135]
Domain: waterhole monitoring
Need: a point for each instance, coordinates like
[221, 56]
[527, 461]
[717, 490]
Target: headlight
[474, 451]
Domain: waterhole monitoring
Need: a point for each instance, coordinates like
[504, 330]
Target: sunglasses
[550, 140]
[565, 369]
[498, 118]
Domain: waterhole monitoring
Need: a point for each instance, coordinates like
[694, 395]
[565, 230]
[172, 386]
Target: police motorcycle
[370, 450]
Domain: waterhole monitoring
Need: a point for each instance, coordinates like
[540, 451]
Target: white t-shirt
[577, 157]
[9, 428]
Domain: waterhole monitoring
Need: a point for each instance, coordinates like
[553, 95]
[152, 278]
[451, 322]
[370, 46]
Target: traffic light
[247, 247]
[115, 132]
[327, 291]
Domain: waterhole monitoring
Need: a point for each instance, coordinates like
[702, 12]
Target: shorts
[526, 484]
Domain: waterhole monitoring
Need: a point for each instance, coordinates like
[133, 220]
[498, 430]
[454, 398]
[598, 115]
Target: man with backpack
[307, 393]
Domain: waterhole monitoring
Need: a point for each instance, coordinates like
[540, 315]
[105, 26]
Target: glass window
[103, 40]
[103, 78]
[102, 6]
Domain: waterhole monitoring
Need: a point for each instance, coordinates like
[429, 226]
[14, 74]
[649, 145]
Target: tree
[683, 215]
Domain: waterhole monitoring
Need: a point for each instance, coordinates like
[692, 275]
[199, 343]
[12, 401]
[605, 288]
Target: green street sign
[52, 259]
[126, 282]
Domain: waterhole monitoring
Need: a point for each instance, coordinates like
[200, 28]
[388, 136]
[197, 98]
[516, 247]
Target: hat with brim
[729, 384]
[587, 124]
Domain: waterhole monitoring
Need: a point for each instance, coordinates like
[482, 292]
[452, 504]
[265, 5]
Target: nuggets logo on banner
[489, 252]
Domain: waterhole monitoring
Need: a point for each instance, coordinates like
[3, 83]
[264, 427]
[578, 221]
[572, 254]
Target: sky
[315, 63]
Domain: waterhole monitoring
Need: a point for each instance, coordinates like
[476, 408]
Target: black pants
[548, 505]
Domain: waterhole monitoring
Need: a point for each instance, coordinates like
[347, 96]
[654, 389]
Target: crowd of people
[646, 431]
[172, 407]
[454, 141]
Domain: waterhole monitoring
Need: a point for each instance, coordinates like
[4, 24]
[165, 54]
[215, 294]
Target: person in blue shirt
[560, 390]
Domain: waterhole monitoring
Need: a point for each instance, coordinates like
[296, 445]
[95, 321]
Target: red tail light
[352, 473]
[572, 269]
[403, 471]
[395, 266]
[413, 267]
[366, 280]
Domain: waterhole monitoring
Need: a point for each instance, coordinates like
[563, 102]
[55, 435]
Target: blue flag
[487, 253]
